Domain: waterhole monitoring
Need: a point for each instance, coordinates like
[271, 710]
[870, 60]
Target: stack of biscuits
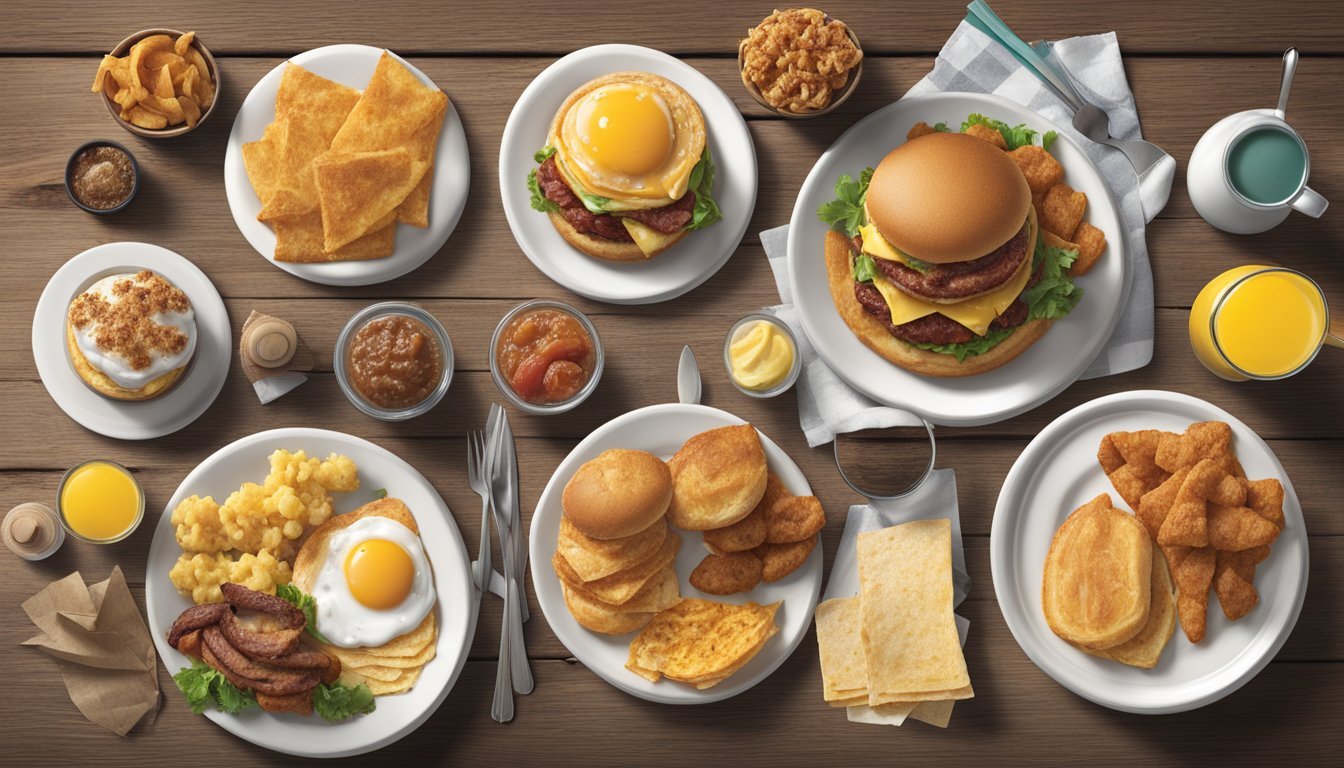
[615, 553]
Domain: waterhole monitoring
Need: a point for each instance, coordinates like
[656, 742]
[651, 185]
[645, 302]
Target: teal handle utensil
[983, 18]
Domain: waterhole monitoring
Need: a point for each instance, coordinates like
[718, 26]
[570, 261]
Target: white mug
[1216, 166]
[1210, 184]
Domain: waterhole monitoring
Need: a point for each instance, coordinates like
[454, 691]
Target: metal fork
[478, 474]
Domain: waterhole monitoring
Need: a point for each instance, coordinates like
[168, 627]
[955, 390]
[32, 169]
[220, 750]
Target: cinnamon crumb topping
[127, 327]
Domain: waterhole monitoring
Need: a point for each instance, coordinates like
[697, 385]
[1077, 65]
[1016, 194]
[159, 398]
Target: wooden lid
[270, 343]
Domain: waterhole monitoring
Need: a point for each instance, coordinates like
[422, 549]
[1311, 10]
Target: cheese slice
[649, 240]
[876, 245]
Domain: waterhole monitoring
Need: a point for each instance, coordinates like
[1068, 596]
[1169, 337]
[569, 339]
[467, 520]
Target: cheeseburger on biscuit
[626, 172]
[940, 271]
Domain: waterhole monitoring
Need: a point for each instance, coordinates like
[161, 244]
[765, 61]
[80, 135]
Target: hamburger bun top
[948, 197]
[617, 494]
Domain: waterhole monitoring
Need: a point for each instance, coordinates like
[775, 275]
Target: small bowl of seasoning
[394, 361]
[102, 177]
[100, 502]
[546, 357]
[800, 62]
[761, 355]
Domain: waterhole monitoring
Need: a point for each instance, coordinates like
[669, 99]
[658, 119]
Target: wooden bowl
[173, 130]
[838, 97]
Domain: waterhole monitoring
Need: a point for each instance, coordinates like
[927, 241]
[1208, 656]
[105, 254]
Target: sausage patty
[936, 328]
[962, 279]
[668, 219]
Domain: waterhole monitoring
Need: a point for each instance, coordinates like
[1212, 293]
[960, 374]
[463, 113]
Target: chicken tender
[779, 560]
[747, 533]
[794, 519]
[1090, 243]
[1062, 210]
[985, 133]
[1040, 167]
[727, 574]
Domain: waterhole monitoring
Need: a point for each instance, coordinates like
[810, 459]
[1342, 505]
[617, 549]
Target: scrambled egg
[252, 537]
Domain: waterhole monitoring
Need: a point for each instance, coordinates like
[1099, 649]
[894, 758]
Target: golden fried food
[618, 494]
[1193, 578]
[718, 477]
[920, 129]
[160, 82]
[600, 617]
[797, 58]
[728, 573]
[701, 642]
[1091, 242]
[1129, 460]
[779, 560]
[1202, 440]
[1266, 498]
[1040, 167]
[1156, 504]
[1236, 595]
[986, 133]
[1188, 520]
[1144, 649]
[358, 190]
[619, 587]
[1062, 209]
[309, 110]
[198, 575]
[1055, 241]
[747, 533]
[1232, 529]
[1097, 585]
[795, 518]
[593, 559]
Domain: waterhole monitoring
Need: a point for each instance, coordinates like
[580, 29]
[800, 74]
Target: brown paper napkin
[102, 647]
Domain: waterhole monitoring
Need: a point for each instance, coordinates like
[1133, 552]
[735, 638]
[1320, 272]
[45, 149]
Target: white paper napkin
[972, 62]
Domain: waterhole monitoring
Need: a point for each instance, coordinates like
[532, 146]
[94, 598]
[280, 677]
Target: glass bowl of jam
[546, 357]
[393, 361]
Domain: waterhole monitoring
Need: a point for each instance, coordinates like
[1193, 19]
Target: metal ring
[928, 469]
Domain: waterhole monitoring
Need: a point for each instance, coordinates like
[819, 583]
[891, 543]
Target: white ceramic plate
[147, 419]
[1056, 474]
[1036, 375]
[661, 430]
[684, 266]
[395, 716]
[350, 65]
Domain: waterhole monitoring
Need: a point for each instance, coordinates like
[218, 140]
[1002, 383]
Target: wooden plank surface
[1188, 64]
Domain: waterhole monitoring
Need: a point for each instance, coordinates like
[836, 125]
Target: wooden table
[1188, 63]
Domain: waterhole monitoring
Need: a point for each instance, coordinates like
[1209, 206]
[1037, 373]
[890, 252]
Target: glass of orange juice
[100, 502]
[1260, 322]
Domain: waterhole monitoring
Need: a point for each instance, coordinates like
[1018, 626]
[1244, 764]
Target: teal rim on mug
[1271, 156]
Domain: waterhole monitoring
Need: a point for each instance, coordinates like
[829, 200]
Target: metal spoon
[688, 378]
[1289, 67]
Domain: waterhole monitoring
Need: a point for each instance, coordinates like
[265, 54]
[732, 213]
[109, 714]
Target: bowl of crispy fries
[159, 83]
[800, 62]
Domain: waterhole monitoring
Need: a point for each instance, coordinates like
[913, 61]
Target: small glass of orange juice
[100, 502]
[1260, 322]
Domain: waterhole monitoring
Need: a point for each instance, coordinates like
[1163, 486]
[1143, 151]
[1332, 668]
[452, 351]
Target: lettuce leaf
[1048, 140]
[203, 686]
[702, 184]
[977, 346]
[305, 603]
[845, 213]
[336, 702]
[1055, 295]
[539, 200]
[864, 268]
[941, 128]
[1015, 136]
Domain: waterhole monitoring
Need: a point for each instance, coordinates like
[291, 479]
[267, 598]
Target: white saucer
[147, 419]
[684, 266]
[350, 65]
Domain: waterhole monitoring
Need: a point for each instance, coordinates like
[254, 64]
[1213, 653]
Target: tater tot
[1091, 242]
[1041, 168]
[987, 134]
[1062, 209]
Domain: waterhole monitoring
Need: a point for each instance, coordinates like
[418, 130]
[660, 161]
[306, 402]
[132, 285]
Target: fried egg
[632, 137]
[374, 584]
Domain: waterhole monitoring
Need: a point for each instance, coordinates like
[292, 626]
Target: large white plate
[396, 716]
[350, 65]
[661, 430]
[126, 420]
[688, 263]
[1038, 374]
[1056, 474]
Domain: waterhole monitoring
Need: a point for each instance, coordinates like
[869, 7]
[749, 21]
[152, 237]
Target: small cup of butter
[761, 355]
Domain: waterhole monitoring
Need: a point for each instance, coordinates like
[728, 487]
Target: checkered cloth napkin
[973, 62]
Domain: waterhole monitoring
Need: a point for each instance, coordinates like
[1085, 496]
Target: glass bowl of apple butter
[546, 357]
[393, 361]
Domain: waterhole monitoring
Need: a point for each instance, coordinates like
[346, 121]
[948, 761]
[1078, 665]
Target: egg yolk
[380, 573]
[627, 130]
